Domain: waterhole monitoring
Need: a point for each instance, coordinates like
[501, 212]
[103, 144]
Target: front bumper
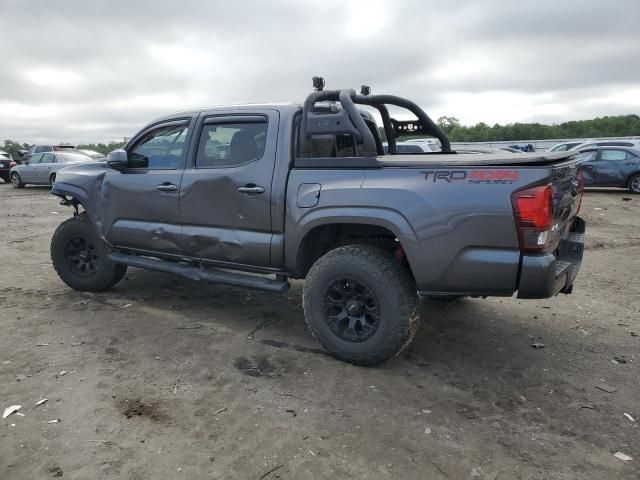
[543, 276]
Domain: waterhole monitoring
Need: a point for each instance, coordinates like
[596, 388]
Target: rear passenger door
[43, 169]
[225, 198]
[614, 166]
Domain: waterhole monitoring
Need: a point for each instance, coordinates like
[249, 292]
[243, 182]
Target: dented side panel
[221, 222]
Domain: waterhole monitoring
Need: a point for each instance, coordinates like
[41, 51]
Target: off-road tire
[634, 183]
[16, 181]
[106, 274]
[393, 288]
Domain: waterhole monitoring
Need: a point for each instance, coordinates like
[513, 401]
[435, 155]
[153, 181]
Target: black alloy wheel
[351, 310]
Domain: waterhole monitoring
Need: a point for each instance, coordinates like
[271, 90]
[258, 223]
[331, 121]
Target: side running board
[212, 275]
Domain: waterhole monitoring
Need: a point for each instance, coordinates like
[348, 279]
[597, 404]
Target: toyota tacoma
[255, 195]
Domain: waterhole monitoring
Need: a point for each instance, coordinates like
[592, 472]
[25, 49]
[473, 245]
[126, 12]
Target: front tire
[80, 257]
[634, 183]
[360, 304]
[16, 181]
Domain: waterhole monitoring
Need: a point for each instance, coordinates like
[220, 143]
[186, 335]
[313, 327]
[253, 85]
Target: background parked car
[41, 168]
[97, 156]
[26, 154]
[563, 147]
[611, 167]
[6, 162]
[608, 143]
[413, 147]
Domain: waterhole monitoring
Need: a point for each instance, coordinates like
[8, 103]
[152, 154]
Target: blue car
[611, 167]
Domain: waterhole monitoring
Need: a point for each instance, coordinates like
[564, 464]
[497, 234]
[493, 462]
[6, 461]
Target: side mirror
[22, 153]
[117, 159]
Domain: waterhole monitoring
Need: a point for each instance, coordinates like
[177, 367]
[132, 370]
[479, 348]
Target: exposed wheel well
[71, 201]
[324, 238]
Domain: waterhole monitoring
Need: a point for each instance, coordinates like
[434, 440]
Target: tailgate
[551, 233]
[566, 182]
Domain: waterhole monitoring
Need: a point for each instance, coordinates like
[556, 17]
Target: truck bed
[436, 159]
[474, 159]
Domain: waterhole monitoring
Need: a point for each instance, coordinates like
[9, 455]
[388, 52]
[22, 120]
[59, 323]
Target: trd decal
[444, 175]
[475, 176]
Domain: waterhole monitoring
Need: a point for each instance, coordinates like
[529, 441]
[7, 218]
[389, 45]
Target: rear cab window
[226, 142]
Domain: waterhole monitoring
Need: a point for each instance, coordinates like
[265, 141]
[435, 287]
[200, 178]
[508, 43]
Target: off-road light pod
[533, 211]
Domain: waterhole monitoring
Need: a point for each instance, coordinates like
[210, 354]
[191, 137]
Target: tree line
[615, 126]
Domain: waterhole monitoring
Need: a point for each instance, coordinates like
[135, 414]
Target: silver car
[41, 168]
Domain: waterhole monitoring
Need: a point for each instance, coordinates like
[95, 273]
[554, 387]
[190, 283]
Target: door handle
[251, 188]
[167, 187]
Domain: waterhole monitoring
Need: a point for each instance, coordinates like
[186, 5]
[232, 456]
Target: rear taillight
[533, 211]
[12, 164]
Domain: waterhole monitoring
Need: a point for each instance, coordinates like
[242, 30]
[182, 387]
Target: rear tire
[634, 183]
[80, 257]
[52, 179]
[360, 304]
[16, 181]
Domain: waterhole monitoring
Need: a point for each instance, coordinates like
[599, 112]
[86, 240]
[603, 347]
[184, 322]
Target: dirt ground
[168, 379]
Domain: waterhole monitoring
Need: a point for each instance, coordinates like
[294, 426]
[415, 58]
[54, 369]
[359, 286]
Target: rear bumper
[543, 276]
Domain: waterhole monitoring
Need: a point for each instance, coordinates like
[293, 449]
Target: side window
[613, 155]
[588, 156]
[48, 158]
[35, 158]
[231, 144]
[162, 148]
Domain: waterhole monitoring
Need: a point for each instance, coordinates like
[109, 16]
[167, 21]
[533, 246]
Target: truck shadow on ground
[486, 334]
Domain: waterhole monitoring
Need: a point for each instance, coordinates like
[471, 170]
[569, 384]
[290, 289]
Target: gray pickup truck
[253, 195]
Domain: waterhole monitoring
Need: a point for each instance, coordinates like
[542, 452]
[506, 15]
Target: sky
[97, 70]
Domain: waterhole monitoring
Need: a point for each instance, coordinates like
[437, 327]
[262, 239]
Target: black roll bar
[430, 126]
[369, 143]
[348, 98]
[388, 127]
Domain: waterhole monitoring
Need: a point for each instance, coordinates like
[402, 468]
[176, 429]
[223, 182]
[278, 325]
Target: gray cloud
[91, 71]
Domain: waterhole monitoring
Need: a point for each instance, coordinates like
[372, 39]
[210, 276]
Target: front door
[139, 205]
[28, 172]
[225, 205]
[588, 167]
